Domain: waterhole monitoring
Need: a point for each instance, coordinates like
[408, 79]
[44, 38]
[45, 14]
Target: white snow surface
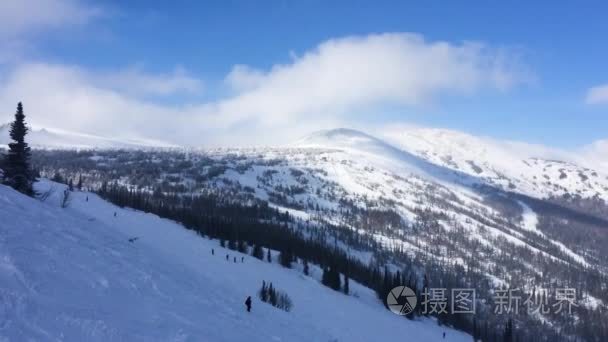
[71, 275]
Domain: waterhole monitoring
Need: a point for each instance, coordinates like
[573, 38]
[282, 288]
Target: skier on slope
[248, 304]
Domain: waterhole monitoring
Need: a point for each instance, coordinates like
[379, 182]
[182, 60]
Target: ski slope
[71, 275]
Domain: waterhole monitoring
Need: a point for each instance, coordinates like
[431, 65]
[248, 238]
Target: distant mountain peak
[339, 138]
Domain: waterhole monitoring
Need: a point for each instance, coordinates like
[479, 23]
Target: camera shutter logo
[401, 300]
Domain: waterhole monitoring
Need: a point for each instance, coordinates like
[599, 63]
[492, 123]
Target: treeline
[249, 228]
[277, 298]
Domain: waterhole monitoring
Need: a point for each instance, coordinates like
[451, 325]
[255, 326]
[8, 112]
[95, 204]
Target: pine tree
[264, 292]
[476, 334]
[346, 286]
[241, 246]
[79, 185]
[331, 278]
[258, 252]
[423, 294]
[269, 256]
[272, 295]
[508, 335]
[232, 244]
[285, 258]
[18, 173]
[325, 276]
[57, 178]
[336, 282]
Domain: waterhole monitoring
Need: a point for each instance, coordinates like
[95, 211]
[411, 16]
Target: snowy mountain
[481, 212]
[531, 169]
[465, 181]
[72, 274]
[452, 165]
[53, 138]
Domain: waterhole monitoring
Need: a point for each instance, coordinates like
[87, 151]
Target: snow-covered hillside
[71, 274]
[531, 169]
[53, 138]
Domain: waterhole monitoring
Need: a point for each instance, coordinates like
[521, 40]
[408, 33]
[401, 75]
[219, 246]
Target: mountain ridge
[55, 138]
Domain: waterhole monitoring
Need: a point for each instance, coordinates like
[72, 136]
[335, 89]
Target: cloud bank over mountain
[319, 89]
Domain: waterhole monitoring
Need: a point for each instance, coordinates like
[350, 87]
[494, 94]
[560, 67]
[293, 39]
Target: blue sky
[124, 53]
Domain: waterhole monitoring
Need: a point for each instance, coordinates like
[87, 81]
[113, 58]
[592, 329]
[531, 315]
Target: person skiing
[227, 256]
[242, 259]
[212, 251]
[248, 304]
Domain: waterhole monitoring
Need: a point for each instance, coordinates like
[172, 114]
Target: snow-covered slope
[53, 138]
[71, 274]
[377, 154]
[530, 169]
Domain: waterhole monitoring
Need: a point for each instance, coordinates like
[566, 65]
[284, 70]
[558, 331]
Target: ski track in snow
[530, 221]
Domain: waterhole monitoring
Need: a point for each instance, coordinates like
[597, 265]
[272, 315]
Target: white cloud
[597, 95]
[244, 78]
[66, 97]
[597, 152]
[135, 81]
[19, 17]
[319, 89]
[343, 74]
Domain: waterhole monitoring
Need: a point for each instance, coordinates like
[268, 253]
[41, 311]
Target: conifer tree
[508, 335]
[336, 282]
[285, 258]
[241, 246]
[264, 292]
[18, 173]
[476, 335]
[258, 252]
[346, 285]
[57, 178]
[232, 244]
[331, 278]
[272, 295]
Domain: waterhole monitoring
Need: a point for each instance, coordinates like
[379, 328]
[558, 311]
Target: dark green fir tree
[18, 173]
